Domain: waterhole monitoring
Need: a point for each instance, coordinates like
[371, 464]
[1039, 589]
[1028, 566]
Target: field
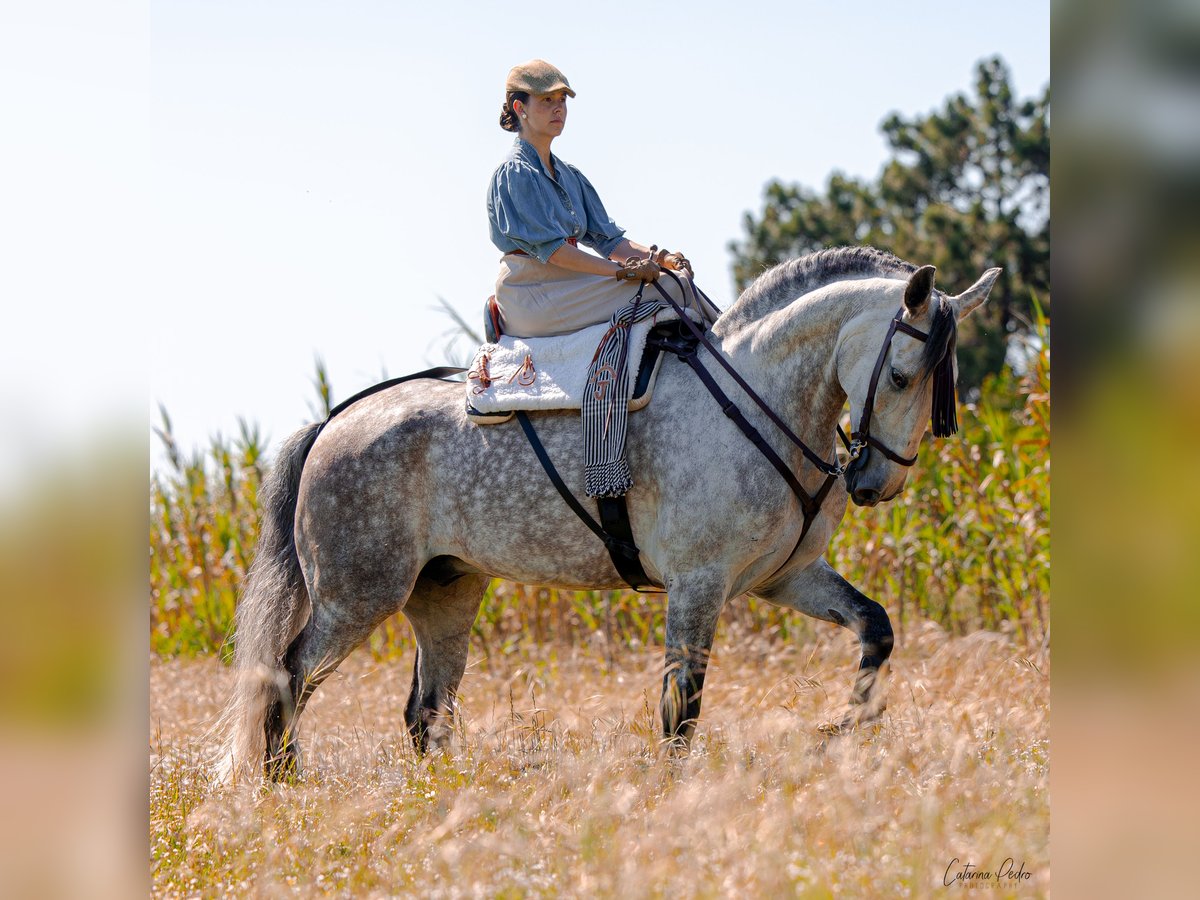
[556, 784]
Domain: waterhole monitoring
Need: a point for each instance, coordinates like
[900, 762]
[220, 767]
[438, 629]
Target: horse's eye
[899, 380]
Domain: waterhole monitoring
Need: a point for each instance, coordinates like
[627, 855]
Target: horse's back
[363, 487]
[405, 472]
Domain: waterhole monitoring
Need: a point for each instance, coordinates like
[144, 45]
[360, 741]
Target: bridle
[861, 438]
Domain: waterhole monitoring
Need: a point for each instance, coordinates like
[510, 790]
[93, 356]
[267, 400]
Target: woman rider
[540, 207]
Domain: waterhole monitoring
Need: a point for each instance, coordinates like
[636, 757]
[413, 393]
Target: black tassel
[944, 417]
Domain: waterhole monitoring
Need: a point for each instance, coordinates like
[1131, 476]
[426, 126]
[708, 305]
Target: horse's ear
[972, 297]
[919, 288]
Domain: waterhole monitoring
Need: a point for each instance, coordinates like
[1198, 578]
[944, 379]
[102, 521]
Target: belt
[570, 240]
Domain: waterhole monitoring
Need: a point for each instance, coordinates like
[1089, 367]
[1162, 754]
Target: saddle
[498, 359]
[510, 374]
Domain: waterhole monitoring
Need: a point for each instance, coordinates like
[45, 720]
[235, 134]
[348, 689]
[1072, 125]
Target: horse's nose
[865, 496]
[858, 463]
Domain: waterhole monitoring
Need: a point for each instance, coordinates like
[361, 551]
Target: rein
[861, 438]
[810, 504]
[809, 453]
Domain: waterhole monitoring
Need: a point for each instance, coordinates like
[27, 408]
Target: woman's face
[545, 115]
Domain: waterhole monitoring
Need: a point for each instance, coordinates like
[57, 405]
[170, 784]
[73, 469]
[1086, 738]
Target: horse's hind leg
[332, 632]
[821, 592]
[441, 617]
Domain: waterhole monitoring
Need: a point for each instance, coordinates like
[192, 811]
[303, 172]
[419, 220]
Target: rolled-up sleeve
[520, 212]
[601, 233]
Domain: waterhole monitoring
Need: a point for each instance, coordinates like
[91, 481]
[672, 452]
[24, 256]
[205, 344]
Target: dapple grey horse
[401, 504]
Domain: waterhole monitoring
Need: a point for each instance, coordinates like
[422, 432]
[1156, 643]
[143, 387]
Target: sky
[212, 195]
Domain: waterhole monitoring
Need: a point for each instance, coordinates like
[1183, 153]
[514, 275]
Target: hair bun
[508, 119]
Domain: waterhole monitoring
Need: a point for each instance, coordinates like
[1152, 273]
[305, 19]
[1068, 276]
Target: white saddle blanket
[559, 368]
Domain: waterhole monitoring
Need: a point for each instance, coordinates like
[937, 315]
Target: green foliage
[967, 545]
[204, 521]
[967, 188]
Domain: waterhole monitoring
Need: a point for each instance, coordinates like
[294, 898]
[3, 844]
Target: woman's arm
[577, 261]
[581, 261]
[628, 248]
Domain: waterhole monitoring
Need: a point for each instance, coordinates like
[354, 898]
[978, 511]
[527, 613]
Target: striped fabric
[605, 403]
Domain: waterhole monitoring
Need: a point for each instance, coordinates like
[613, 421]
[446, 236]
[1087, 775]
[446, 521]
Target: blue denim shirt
[528, 210]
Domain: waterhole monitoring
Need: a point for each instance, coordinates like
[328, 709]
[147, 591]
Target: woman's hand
[677, 262]
[674, 261]
[637, 268]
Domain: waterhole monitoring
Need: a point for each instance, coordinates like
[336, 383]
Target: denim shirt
[528, 210]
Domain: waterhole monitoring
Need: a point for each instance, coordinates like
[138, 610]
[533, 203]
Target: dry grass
[557, 786]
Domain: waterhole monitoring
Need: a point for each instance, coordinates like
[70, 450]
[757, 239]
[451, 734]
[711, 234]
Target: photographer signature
[970, 875]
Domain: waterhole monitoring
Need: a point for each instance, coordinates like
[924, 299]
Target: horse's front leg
[693, 607]
[821, 592]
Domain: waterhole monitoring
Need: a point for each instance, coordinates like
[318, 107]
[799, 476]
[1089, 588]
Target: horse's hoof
[282, 768]
[675, 747]
[852, 724]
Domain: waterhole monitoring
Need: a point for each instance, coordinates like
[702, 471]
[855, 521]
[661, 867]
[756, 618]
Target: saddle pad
[559, 375]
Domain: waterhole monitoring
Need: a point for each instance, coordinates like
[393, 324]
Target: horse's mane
[783, 283]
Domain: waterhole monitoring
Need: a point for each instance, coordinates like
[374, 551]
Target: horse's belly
[521, 543]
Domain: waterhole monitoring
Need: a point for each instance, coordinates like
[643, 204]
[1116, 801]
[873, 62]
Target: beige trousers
[540, 299]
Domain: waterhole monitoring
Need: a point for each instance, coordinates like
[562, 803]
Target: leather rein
[860, 438]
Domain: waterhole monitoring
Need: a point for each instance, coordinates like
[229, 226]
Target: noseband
[943, 375]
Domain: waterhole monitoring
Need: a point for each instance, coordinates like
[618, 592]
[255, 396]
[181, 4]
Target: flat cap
[537, 77]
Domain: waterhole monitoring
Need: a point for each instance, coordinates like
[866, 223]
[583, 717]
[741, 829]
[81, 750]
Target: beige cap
[537, 77]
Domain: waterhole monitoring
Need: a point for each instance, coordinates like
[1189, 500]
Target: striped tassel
[605, 412]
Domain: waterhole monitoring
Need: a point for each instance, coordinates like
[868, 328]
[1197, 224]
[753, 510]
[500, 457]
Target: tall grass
[966, 545]
[557, 783]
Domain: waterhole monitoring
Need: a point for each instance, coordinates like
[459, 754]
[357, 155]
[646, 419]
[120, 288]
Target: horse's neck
[789, 357]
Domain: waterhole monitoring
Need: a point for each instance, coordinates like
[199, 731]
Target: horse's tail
[272, 611]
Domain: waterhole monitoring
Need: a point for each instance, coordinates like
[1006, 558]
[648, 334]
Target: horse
[401, 504]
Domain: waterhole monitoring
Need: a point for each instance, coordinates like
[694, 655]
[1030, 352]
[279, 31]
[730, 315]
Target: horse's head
[896, 363]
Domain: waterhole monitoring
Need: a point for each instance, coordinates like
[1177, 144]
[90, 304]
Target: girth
[613, 529]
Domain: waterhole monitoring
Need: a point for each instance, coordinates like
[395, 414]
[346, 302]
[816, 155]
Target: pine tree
[967, 187]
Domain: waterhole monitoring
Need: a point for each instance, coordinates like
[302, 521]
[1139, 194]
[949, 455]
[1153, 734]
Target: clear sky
[283, 180]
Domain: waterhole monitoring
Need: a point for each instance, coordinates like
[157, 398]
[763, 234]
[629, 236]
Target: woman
[540, 208]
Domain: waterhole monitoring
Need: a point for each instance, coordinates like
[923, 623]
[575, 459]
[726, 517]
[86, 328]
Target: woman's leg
[537, 300]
